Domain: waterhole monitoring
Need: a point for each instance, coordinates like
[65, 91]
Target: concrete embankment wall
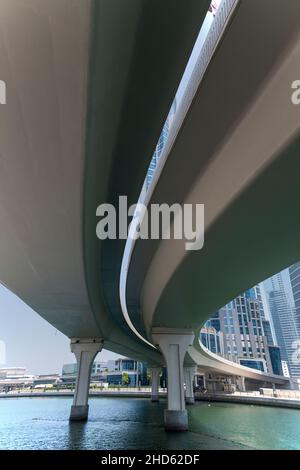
[120, 393]
[279, 393]
[250, 400]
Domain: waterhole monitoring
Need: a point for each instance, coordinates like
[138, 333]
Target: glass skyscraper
[294, 272]
[283, 314]
[160, 145]
[266, 342]
[212, 339]
[241, 323]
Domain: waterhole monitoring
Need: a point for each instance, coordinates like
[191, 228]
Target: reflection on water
[76, 433]
[136, 423]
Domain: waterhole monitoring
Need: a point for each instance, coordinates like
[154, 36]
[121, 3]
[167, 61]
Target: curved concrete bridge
[234, 146]
[88, 87]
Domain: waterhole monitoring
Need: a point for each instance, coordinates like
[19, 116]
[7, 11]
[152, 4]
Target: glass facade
[117, 379]
[275, 356]
[126, 365]
[268, 332]
[69, 369]
[111, 372]
[160, 145]
[253, 364]
[294, 272]
[249, 334]
[241, 326]
[161, 142]
[284, 318]
[212, 339]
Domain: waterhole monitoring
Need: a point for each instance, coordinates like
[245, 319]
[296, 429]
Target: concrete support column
[155, 371]
[291, 385]
[173, 344]
[195, 380]
[241, 384]
[85, 351]
[189, 375]
[204, 382]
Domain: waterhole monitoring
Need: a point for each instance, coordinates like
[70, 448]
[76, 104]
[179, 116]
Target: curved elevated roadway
[234, 147]
[89, 85]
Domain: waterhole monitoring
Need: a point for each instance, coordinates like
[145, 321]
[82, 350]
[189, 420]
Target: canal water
[136, 423]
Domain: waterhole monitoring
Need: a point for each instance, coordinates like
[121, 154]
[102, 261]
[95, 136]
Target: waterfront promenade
[250, 398]
[284, 398]
[129, 392]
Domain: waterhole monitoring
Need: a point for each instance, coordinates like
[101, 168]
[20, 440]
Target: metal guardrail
[92, 390]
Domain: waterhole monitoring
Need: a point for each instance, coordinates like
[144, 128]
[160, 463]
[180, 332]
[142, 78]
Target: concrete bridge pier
[85, 350]
[241, 384]
[189, 375]
[155, 372]
[173, 344]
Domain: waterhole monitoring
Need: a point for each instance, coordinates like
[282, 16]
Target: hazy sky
[32, 342]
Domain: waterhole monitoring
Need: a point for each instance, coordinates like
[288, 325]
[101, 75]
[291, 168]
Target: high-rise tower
[284, 319]
[241, 322]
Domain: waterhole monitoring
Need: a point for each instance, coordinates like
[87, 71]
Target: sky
[32, 342]
[29, 341]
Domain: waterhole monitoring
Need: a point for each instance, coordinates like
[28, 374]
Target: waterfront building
[46, 379]
[253, 363]
[275, 356]
[126, 365]
[110, 365]
[142, 374]
[294, 272]
[212, 339]
[117, 378]
[98, 372]
[16, 378]
[110, 372]
[12, 372]
[158, 150]
[159, 147]
[102, 366]
[268, 332]
[285, 369]
[164, 378]
[241, 323]
[284, 318]
[274, 350]
[69, 371]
